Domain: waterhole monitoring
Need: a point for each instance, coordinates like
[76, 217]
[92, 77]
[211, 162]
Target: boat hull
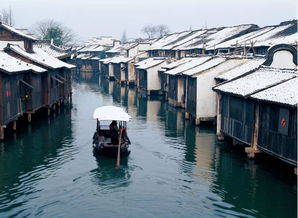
[110, 151]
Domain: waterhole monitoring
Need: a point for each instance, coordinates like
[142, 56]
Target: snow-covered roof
[120, 59]
[51, 49]
[148, 63]
[106, 60]
[41, 57]
[18, 32]
[93, 48]
[189, 38]
[215, 36]
[3, 44]
[262, 78]
[284, 93]
[220, 68]
[249, 65]
[109, 113]
[177, 63]
[188, 65]
[205, 66]
[11, 64]
[167, 39]
[285, 33]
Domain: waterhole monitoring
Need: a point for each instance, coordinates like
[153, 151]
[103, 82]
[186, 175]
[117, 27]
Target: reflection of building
[206, 151]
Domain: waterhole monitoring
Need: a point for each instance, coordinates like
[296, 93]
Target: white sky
[89, 18]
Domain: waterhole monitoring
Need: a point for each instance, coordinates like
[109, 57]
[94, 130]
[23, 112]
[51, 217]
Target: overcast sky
[89, 18]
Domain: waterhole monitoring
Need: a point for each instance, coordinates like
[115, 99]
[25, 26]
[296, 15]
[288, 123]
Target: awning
[111, 113]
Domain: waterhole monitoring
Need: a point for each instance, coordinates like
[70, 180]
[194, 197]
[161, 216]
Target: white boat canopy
[110, 113]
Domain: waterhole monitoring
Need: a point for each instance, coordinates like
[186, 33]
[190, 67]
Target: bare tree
[52, 30]
[150, 31]
[153, 31]
[6, 17]
[162, 30]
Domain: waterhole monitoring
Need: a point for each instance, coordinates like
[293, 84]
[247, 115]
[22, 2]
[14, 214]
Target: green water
[174, 170]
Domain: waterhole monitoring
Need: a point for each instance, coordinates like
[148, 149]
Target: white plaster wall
[153, 80]
[131, 71]
[180, 90]
[283, 59]
[133, 52]
[111, 70]
[206, 97]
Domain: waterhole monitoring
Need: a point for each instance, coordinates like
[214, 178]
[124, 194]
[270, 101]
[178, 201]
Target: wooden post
[29, 117]
[49, 111]
[187, 116]
[295, 171]
[2, 132]
[14, 125]
[219, 135]
[253, 149]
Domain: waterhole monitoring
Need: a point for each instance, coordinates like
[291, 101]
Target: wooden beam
[14, 125]
[219, 134]
[253, 149]
[2, 132]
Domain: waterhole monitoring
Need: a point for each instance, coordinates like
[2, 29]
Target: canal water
[175, 169]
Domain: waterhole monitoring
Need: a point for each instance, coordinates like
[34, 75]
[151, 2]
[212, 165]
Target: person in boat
[114, 132]
[124, 136]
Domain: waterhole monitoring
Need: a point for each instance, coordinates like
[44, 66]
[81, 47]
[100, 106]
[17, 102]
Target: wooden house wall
[173, 84]
[191, 98]
[278, 131]
[10, 98]
[35, 101]
[142, 79]
[117, 71]
[237, 117]
[163, 81]
[105, 69]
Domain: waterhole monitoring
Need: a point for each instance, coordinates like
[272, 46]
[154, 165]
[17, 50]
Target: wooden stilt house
[16, 88]
[259, 109]
[147, 75]
[56, 82]
[176, 81]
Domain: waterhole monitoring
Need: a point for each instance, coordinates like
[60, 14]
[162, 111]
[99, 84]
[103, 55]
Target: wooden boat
[110, 137]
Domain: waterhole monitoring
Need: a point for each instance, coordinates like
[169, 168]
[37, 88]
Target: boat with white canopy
[110, 137]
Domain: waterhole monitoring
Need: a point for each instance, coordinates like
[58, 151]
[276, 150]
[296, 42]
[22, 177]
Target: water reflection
[174, 170]
[33, 155]
[107, 177]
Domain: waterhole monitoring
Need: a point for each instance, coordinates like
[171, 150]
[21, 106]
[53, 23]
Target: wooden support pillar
[219, 134]
[29, 116]
[49, 111]
[295, 171]
[54, 107]
[187, 116]
[14, 125]
[59, 103]
[253, 149]
[2, 132]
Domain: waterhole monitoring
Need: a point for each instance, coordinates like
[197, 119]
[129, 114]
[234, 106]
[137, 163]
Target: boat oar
[118, 154]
